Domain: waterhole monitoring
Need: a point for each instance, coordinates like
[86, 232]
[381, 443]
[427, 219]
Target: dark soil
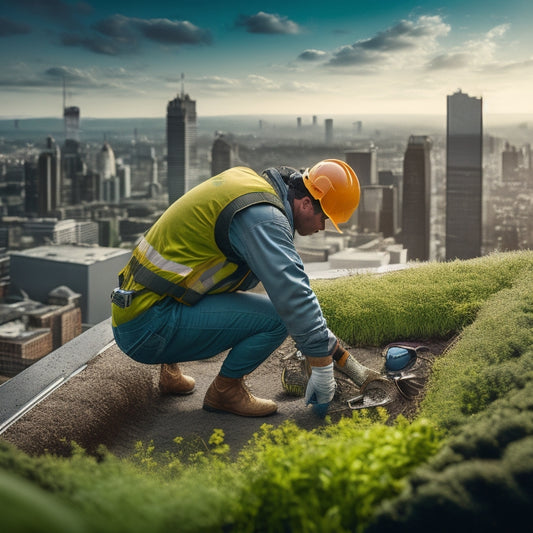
[116, 402]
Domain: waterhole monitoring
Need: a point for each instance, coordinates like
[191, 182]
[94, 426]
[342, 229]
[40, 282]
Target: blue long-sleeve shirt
[263, 237]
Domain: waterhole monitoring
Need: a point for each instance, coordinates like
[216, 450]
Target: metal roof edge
[29, 387]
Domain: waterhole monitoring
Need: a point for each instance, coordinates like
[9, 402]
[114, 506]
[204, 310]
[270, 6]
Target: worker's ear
[306, 203]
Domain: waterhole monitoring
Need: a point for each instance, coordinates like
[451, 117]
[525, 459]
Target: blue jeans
[170, 332]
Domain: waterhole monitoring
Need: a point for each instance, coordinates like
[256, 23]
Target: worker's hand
[320, 388]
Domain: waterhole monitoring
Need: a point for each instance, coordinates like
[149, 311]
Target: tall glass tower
[181, 146]
[464, 176]
[416, 198]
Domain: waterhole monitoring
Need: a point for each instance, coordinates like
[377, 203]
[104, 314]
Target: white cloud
[268, 23]
[473, 54]
[261, 82]
[404, 42]
[312, 55]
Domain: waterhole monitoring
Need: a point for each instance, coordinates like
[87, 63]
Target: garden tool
[372, 397]
[408, 385]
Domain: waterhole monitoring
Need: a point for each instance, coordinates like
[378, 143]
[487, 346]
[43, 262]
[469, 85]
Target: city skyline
[119, 60]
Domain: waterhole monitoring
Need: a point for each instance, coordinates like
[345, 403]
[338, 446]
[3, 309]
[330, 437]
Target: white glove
[321, 385]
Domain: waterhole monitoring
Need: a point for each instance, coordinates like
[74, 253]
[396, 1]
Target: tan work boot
[231, 395]
[172, 381]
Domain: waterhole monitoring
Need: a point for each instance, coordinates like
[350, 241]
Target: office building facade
[416, 198]
[464, 176]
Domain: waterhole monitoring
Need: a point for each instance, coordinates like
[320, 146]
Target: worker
[183, 294]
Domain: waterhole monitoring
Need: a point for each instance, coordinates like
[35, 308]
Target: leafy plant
[329, 479]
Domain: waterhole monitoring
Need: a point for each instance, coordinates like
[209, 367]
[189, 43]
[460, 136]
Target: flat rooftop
[84, 255]
[89, 392]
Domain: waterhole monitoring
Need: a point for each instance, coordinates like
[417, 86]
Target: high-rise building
[71, 117]
[416, 198]
[49, 176]
[31, 188]
[124, 178]
[154, 187]
[106, 168]
[181, 146]
[377, 210]
[464, 176]
[364, 165]
[105, 161]
[73, 165]
[510, 163]
[74, 169]
[329, 130]
[12, 186]
[222, 155]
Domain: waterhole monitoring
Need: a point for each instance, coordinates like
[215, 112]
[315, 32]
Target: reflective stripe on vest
[159, 261]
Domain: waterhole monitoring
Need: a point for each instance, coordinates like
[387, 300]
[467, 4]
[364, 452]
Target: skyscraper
[221, 155]
[107, 170]
[510, 163]
[376, 212]
[71, 116]
[31, 188]
[364, 165]
[416, 198]
[72, 160]
[181, 146]
[464, 176]
[105, 162]
[49, 176]
[329, 130]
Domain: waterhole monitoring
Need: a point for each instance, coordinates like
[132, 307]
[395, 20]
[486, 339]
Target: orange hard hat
[335, 185]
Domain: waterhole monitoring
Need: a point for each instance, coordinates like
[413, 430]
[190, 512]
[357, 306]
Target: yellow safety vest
[187, 252]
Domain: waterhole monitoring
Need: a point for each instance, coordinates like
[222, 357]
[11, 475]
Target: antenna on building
[182, 85]
[64, 106]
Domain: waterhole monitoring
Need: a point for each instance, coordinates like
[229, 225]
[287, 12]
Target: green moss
[492, 358]
[431, 300]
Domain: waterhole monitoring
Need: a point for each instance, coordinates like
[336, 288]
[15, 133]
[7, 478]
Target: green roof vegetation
[464, 463]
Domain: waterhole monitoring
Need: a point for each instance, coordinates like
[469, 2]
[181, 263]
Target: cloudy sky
[120, 58]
